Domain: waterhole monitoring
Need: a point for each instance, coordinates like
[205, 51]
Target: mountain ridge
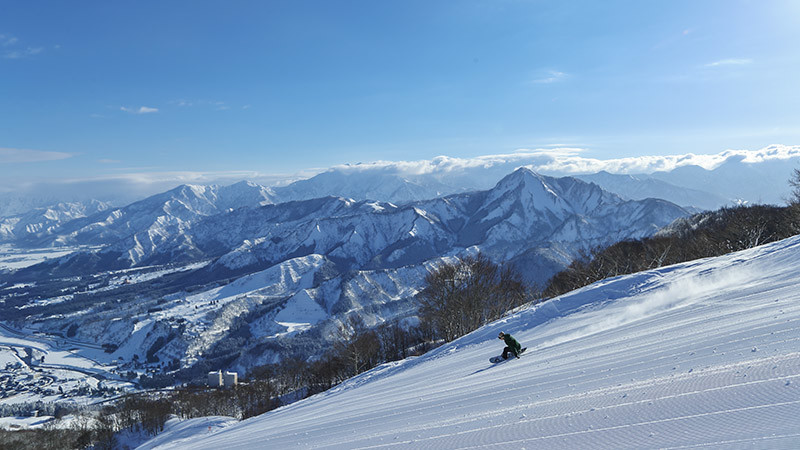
[186, 221]
[758, 176]
[363, 258]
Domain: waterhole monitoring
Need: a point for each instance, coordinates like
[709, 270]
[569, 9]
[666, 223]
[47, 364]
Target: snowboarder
[512, 346]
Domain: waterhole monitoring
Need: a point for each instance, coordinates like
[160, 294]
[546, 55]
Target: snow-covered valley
[37, 367]
[700, 354]
[193, 280]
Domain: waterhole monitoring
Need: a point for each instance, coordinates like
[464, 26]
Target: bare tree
[357, 345]
[460, 297]
[794, 182]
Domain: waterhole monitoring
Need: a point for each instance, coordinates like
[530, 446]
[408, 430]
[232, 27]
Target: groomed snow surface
[702, 354]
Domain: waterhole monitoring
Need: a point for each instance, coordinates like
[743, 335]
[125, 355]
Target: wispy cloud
[730, 62]
[10, 48]
[126, 185]
[215, 104]
[140, 110]
[23, 53]
[18, 155]
[549, 76]
[7, 40]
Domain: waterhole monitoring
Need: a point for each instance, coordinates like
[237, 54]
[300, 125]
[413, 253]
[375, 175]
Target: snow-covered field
[13, 258]
[23, 423]
[702, 354]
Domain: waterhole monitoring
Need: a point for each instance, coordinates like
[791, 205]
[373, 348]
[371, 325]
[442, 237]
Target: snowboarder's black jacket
[512, 343]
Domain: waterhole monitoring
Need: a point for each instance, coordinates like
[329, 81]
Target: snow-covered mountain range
[639, 187]
[524, 210]
[44, 221]
[697, 181]
[701, 354]
[195, 270]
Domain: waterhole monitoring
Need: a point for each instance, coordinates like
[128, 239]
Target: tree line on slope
[703, 235]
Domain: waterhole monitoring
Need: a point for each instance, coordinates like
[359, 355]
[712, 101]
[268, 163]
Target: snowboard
[497, 359]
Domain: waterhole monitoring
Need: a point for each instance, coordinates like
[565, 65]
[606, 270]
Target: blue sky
[125, 89]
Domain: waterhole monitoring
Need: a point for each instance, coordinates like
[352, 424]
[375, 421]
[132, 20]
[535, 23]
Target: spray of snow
[683, 292]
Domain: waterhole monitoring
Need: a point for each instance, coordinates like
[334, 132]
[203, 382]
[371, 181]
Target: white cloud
[216, 104]
[22, 53]
[130, 184]
[18, 155]
[12, 51]
[127, 184]
[549, 76]
[176, 177]
[141, 110]
[730, 62]
[151, 180]
[568, 160]
[6, 40]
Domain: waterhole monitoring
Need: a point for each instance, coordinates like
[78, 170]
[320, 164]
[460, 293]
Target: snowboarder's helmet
[501, 335]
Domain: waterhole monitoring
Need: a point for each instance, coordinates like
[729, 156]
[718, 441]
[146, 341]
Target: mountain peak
[530, 194]
[522, 172]
[527, 181]
[184, 190]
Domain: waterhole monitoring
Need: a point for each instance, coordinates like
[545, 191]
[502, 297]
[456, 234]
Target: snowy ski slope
[701, 354]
